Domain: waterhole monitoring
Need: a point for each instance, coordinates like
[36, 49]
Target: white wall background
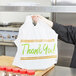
[6, 17]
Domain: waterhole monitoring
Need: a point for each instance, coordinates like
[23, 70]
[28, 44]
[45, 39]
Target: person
[65, 33]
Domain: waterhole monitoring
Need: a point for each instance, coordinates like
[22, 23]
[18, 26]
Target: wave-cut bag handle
[29, 20]
[44, 24]
[28, 23]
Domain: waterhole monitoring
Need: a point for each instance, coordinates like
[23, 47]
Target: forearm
[66, 33]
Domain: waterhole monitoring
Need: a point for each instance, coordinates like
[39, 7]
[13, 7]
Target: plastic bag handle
[28, 20]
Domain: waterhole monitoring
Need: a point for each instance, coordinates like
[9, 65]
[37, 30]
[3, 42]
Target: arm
[66, 33]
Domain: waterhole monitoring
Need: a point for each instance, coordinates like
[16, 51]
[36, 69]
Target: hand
[37, 17]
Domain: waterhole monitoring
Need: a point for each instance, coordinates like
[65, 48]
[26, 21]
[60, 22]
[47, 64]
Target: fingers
[38, 17]
[35, 18]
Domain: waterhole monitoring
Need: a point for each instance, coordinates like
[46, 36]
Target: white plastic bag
[36, 46]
